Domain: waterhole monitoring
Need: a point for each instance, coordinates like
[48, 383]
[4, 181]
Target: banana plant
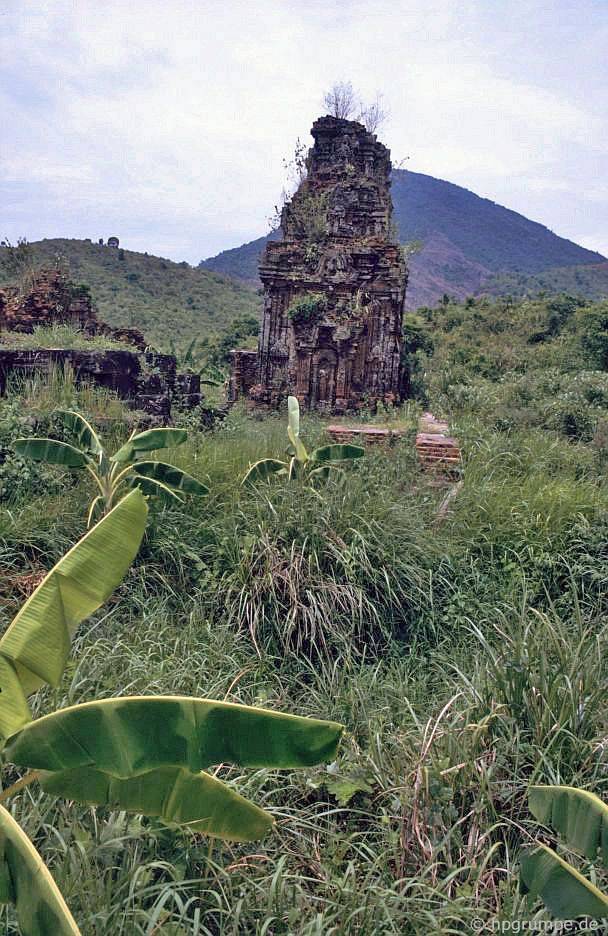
[145, 754]
[302, 463]
[196, 360]
[581, 818]
[115, 474]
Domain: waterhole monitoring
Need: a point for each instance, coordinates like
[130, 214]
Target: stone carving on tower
[334, 286]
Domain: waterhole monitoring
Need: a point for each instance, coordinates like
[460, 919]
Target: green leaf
[345, 788]
[153, 488]
[149, 441]
[131, 735]
[36, 645]
[293, 415]
[171, 476]
[28, 884]
[564, 891]
[293, 429]
[174, 794]
[263, 469]
[580, 817]
[51, 451]
[337, 452]
[95, 503]
[300, 448]
[325, 471]
[85, 435]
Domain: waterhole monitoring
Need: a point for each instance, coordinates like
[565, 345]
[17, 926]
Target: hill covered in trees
[167, 301]
[468, 244]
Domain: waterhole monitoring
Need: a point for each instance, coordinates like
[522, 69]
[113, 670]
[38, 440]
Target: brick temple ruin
[144, 378]
[334, 285]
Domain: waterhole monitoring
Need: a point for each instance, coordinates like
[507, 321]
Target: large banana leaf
[27, 883]
[131, 735]
[293, 428]
[580, 817]
[83, 432]
[171, 476]
[51, 451]
[566, 893]
[173, 793]
[149, 441]
[36, 645]
[337, 452]
[154, 488]
[293, 415]
[263, 469]
[14, 708]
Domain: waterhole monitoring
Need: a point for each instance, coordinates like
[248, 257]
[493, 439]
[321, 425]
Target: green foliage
[34, 649]
[581, 818]
[239, 334]
[317, 464]
[16, 259]
[567, 894]
[581, 279]
[593, 329]
[141, 754]
[19, 475]
[308, 309]
[468, 658]
[58, 336]
[306, 214]
[27, 883]
[120, 471]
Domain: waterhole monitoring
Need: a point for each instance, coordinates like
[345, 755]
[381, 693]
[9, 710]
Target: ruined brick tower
[334, 286]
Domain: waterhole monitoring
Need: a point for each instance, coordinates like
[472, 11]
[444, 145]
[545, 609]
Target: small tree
[373, 115]
[341, 100]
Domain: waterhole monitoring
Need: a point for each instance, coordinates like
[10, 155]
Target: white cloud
[176, 116]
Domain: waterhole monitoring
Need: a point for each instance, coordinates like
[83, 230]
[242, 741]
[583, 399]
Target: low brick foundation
[364, 435]
[437, 451]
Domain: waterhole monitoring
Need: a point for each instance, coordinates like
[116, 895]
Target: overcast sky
[166, 122]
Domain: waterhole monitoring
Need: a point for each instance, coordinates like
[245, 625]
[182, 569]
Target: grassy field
[465, 655]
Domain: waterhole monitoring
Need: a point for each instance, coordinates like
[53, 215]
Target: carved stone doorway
[323, 383]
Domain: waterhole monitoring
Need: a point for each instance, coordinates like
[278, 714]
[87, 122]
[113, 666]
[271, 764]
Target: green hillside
[165, 300]
[590, 280]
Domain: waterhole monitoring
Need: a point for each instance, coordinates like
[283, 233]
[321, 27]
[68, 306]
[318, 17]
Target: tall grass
[467, 660]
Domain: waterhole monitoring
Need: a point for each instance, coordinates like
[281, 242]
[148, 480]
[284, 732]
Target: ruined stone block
[334, 286]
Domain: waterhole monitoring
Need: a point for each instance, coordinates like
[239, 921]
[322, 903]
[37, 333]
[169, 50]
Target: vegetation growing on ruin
[306, 215]
[59, 336]
[307, 309]
[466, 653]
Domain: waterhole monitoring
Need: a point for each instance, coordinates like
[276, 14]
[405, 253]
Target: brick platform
[364, 435]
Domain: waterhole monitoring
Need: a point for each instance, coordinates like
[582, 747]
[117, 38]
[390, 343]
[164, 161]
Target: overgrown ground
[466, 657]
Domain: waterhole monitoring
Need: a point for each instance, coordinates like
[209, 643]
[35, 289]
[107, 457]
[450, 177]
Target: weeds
[467, 660]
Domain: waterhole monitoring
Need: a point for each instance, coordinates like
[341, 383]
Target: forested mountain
[468, 245]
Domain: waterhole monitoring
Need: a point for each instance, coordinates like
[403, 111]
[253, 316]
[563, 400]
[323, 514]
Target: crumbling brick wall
[144, 378]
[53, 299]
